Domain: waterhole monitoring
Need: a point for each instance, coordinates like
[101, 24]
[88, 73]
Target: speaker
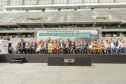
[55, 61]
[68, 62]
[83, 61]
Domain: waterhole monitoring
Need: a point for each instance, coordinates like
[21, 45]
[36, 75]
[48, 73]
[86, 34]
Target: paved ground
[40, 73]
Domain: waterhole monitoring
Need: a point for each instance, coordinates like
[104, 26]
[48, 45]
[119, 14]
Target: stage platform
[43, 58]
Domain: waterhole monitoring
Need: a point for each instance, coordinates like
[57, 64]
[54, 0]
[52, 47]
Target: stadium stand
[24, 21]
[87, 15]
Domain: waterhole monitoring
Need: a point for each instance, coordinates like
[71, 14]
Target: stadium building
[60, 20]
[23, 18]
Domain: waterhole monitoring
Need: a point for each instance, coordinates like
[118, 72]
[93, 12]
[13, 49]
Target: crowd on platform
[68, 47]
[113, 35]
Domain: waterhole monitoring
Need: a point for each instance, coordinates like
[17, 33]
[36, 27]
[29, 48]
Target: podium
[4, 46]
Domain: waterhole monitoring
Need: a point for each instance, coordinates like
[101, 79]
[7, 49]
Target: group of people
[70, 47]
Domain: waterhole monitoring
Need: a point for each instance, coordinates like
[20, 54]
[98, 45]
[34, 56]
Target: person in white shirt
[39, 47]
[107, 46]
[89, 47]
[122, 46]
[27, 47]
[61, 47]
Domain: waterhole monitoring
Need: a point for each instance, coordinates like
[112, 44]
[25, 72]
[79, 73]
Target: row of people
[111, 46]
[69, 47]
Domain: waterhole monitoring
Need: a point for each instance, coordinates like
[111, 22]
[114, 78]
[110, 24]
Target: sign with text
[64, 34]
[4, 46]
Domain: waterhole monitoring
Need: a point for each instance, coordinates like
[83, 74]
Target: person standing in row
[73, 46]
[33, 47]
[107, 46]
[61, 47]
[56, 47]
[50, 47]
[22, 46]
[45, 47]
[102, 47]
[85, 47]
[78, 47]
[7, 38]
[67, 47]
[27, 47]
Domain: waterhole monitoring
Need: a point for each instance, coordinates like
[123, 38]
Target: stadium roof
[95, 5]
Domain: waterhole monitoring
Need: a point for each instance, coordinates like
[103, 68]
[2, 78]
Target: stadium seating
[86, 15]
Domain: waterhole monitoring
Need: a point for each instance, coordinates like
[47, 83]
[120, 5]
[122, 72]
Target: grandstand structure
[21, 18]
[77, 56]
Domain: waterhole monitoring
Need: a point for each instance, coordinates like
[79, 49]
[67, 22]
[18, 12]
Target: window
[106, 1]
[30, 2]
[2, 3]
[90, 1]
[18, 2]
[44, 2]
[12, 2]
[120, 1]
[72, 1]
[78, 1]
[60, 1]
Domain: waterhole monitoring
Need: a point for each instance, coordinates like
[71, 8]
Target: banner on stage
[4, 46]
[64, 34]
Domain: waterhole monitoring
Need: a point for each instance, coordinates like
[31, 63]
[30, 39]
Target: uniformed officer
[56, 47]
[102, 47]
